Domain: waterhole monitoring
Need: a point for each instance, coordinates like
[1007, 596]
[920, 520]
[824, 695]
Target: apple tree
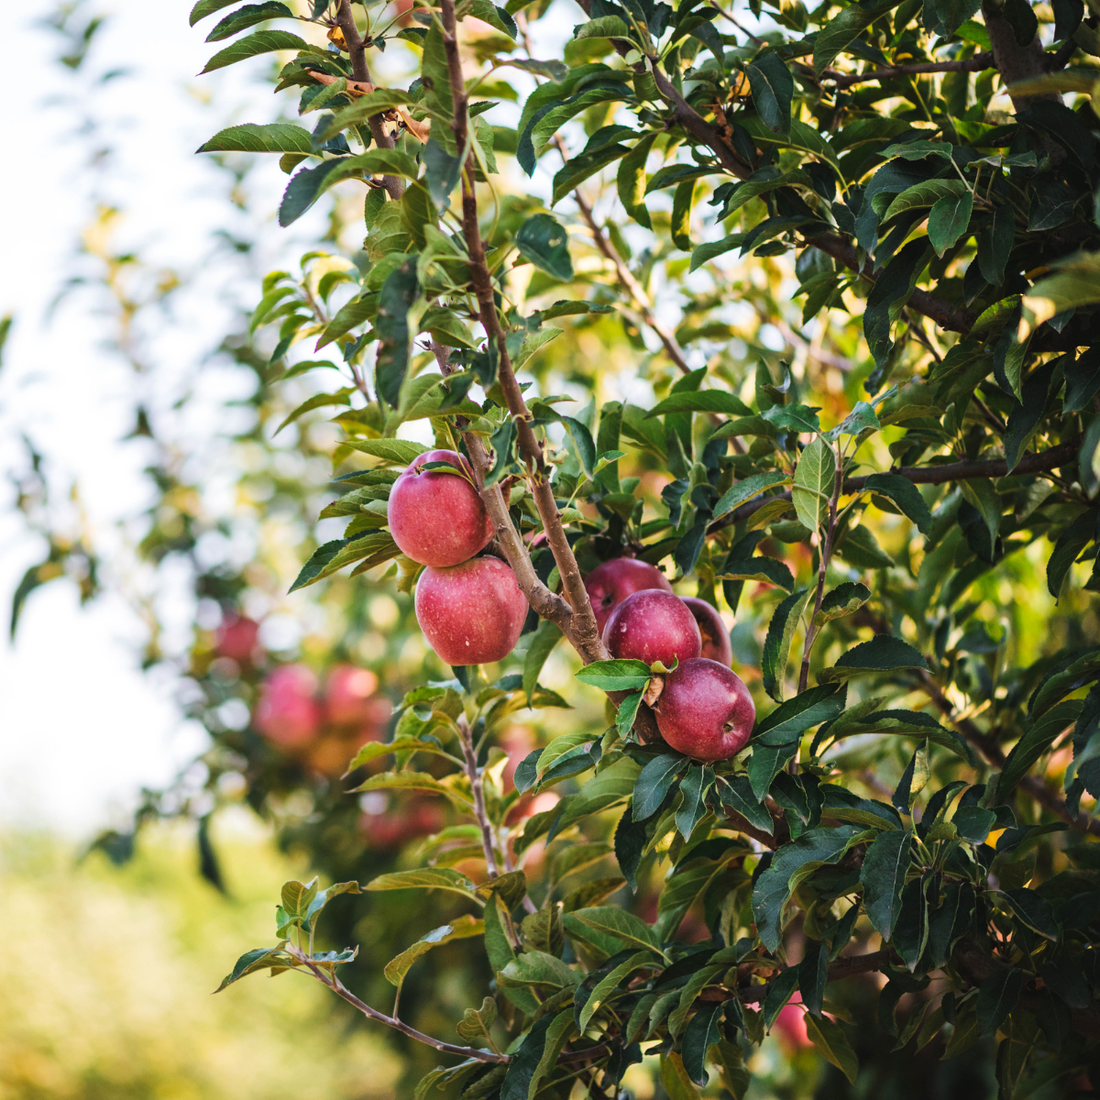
[909, 794]
[866, 816]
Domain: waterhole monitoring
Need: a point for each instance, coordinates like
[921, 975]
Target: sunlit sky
[80, 728]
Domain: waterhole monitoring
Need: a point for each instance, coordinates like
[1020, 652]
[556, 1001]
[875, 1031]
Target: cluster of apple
[472, 611]
[323, 728]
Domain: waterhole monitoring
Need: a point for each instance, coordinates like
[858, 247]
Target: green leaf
[627, 713]
[692, 806]
[425, 878]
[610, 983]
[759, 567]
[905, 495]
[476, 1024]
[702, 1032]
[777, 644]
[462, 928]
[631, 178]
[1030, 908]
[246, 17]
[789, 866]
[747, 488]
[311, 183]
[653, 783]
[883, 875]
[790, 720]
[542, 644]
[925, 193]
[255, 44]
[616, 675]
[399, 293]
[297, 897]
[772, 88]
[882, 653]
[682, 199]
[611, 921]
[317, 401]
[1039, 737]
[839, 33]
[275, 137]
[542, 241]
[709, 401]
[829, 1038]
[526, 1060]
[997, 997]
[262, 958]
[949, 220]
[207, 7]
[842, 600]
[814, 483]
[398, 451]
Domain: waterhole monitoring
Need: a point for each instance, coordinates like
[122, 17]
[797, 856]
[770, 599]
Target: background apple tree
[900, 516]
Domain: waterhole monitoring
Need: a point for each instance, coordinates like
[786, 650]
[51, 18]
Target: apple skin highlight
[472, 613]
[652, 626]
[438, 518]
[612, 581]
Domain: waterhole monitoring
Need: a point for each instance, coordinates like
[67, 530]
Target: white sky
[80, 728]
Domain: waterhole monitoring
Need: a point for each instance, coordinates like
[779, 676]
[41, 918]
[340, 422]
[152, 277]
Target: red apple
[653, 625]
[610, 583]
[347, 695]
[437, 518]
[237, 638]
[705, 711]
[716, 638]
[471, 614]
[790, 1026]
[287, 713]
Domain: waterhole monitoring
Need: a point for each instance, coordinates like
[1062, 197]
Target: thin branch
[357, 51]
[977, 63]
[477, 784]
[581, 627]
[994, 754]
[1042, 462]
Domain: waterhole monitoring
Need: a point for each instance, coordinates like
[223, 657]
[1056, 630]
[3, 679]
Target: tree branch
[581, 627]
[975, 64]
[1042, 462]
[357, 52]
[994, 754]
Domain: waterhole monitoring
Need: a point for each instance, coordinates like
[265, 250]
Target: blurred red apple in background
[650, 626]
[790, 1026]
[611, 582]
[473, 613]
[438, 518]
[238, 639]
[347, 694]
[705, 711]
[716, 638]
[287, 713]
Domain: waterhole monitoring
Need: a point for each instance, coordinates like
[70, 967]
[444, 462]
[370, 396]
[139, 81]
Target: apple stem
[580, 625]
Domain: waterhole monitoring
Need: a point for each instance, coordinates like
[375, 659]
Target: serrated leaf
[843, 600]
[777, 644]
[831, 1042]
[248, 16]
[253, 46]
[814, 483]
[882, 653]
[623, 926]
[905, 495]
[616, 675]
[424, 878]
[542, 241]
[653, 783]
[460, 929]
[274, 137]
[883, 875]
[260, 959]
[746, 489]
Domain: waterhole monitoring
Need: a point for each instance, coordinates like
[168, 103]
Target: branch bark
[975, 64]
[357, 52]
[1042, 462]
[581, 626]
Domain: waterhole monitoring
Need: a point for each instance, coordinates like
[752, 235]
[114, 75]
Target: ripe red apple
[611, 582]
[287, 713]
[472, 613]
[716, 638]
[237, 638]
[347, 695]
[653, 625]
[705, 711]
[437, 518]
[790, 1026]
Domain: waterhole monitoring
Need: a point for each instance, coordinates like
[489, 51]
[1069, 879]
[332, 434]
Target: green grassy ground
[106, 979]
